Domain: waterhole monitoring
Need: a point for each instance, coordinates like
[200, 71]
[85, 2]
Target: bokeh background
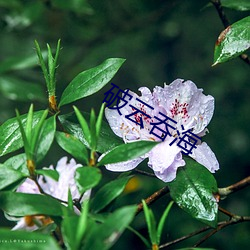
[161, 41]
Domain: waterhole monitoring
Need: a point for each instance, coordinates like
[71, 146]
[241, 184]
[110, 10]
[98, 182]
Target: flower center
[179, 109]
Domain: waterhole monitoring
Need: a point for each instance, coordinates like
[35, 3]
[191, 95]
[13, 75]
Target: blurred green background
[162, 41]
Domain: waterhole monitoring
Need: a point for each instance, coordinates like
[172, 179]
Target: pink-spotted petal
[206, 157]
[186, 104]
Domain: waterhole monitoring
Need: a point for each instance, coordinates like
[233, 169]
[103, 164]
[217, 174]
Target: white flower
[188, 108]
[58, 189]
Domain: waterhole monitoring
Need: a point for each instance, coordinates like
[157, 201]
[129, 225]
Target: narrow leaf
[107, 138]
[92, 127]
[99, 121]
[84, 125]
[10, 136]
[162, 222]
[46, 137]
[82, 223]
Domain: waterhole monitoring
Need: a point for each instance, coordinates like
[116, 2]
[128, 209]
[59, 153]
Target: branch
[235, 220]
[223, 192]
[226, 23]
[152, 198]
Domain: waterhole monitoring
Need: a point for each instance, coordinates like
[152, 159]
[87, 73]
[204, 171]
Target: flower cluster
[184, 103]
[58, 189]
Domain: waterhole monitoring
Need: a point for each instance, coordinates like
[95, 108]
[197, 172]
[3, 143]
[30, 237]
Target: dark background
[161, 41]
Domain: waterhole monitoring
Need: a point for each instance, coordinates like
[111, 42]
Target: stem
[224, 192]
[152, 198]
[235, 220]
[144, 173]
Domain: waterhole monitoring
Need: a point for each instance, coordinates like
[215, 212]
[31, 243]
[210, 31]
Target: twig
[221, 225]
[226, 23]
[235, 220]
[224, 211]
[152, 198]
[223, 192]
[204, 229]
[144, 173]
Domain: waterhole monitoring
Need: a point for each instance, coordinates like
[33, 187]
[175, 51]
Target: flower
[188, 108]
[58, 189]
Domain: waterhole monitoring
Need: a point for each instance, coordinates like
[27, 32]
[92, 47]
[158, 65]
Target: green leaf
[105, 235]
[8, 176]
[127, 152]
[53, 174]
[73, 146]
[90, 81]
[43, 65]
[107, 139]
[233, 41]
[92, 127]
[99, 121]
[84, 125]
[18, 162]
[241, 5]
[19, 90]
[10, 136]
[20, 204]
[46, 138]
[74, 228]
[69, 230]
[108, 193]
[162, 221]
[87, 177]
[16, 240]
[151, 223]
[193, 191]
[82, 223]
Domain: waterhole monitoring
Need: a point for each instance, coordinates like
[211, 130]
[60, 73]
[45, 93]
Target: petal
[205, 156]
[187, 105]
[59, 189]
[125, 166]
[28, 186]
[165, 160]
